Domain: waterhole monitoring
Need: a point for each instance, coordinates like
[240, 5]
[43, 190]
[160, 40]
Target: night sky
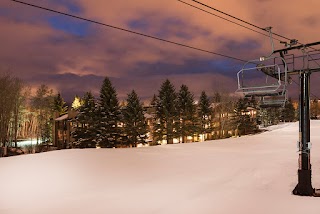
[73, 56]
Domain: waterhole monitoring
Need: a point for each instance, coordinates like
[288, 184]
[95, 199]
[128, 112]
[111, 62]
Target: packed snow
[250, 174]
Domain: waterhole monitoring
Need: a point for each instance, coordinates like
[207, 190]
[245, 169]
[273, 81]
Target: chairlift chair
[273, 101]
[273, 92]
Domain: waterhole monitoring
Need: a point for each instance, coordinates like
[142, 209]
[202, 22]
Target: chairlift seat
[263, 94]
[273, 101]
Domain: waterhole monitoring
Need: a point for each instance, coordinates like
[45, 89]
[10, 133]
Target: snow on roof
[63, 117]
[147, 116]
[250, 174]
[250, 108]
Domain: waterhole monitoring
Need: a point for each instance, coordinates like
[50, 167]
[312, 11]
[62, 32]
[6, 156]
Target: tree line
[175, 115]
[107, 124]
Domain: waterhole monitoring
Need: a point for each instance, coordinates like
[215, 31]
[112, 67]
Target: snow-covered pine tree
[205, 115]
[109, 116]
[135, 127]
[270, 116]
[59, 105]
[85, 132]
[187, 113]
[167, 119]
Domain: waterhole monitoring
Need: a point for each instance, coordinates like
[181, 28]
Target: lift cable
[228, 20]
[248, 23]
[241, 20]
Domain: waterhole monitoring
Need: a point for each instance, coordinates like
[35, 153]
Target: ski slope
[251, 174]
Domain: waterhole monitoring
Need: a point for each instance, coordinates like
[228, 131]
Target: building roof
[63, 117]
[147, 116]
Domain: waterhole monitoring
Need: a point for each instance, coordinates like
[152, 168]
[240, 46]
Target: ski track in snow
[249, 174]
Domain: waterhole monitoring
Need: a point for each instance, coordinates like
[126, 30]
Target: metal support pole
[304, 186]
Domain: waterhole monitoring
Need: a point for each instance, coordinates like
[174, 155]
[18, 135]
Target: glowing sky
[73, 56]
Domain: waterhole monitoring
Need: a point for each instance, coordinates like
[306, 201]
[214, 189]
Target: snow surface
[251, 174]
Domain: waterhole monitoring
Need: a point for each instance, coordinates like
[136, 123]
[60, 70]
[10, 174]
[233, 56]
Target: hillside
[250, 174]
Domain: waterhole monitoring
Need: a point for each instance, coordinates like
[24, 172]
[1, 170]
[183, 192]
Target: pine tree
[135, 127]
[153, 105]
[205, 115]
[154, 101]
[271, 115]
[59, 105]
[242, 120]
[314, 109]
[288, 113]
[85, 132]
[165, 126]
[109, 112]
[187, 113]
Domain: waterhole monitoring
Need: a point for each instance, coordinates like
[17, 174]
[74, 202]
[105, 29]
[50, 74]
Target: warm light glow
[76, 103]
[28, 142]
[201, 137]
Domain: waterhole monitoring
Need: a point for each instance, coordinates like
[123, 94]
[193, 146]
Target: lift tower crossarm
[298, 71]
[297, 47]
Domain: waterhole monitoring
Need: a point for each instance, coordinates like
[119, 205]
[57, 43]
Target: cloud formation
[74, 56]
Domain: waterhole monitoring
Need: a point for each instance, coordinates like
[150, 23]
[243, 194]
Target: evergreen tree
[187, 113]
[242, 120]
[288, 113]
[314, 109]
[109, 116]
[85, 132]
[154, 124]
[154, 101]
[270, 116]
[166, 113]
[205, 115]
[135, 127]
[59, 105]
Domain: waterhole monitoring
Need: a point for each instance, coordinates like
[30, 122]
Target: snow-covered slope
[250, 174]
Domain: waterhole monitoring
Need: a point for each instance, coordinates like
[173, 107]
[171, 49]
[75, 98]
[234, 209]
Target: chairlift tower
[275, 95]
[304, 186]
